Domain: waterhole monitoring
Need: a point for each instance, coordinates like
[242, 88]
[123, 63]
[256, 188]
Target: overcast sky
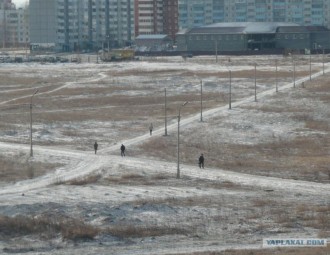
[19, 3]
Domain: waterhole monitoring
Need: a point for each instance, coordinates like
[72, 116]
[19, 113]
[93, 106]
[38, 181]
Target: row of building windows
[242, 37]
[216, 37]
[292, 36]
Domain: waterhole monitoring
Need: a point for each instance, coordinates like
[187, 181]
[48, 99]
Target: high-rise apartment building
[18, 25]
[13, 25]
[156, 17]
[81, 24]
[170, 17]
[148, 17]
[6, 5]
[194, 13]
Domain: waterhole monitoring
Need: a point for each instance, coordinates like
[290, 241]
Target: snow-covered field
[267, 163]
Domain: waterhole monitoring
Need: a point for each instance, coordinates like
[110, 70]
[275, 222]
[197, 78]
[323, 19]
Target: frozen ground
[267, 162]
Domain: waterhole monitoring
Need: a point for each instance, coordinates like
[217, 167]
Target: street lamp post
[294, 72]
[323, 60]
[310, 65]
[255, 82]
[179, 116]
[276, 76]
[108, 38]
[216, 51]
[31, 150]
[201, 100]
[229, 89]
[165, 114]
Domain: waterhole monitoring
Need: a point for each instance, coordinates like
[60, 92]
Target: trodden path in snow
[86, 163]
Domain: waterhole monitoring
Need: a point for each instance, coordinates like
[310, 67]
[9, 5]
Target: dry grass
[318, 125]
[161, 179]
[261, 202]
[287, 216]
[200, 201]
[108, 101]
[306, 156]
[129, 179]
[316, 217]
[47, 227]
[76, 230]
[16, 170]
[90, 179]
[130, 231]
[134, 179]
[277, 251]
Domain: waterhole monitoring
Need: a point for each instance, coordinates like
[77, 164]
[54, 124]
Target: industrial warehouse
[253, 36]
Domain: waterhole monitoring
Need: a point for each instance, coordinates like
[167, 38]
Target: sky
[19, 3]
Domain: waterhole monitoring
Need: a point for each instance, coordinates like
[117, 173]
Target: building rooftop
[156, 36]
[248, 28]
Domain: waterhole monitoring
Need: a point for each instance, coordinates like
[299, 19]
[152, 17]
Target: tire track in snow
[224, 175]
[90, 164]
[209, 113]
[67, 84]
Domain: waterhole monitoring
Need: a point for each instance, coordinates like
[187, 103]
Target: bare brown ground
[305, 157]
[70, 108]
[301, 158]
[275, 251]
[257, 213]
[18, 169]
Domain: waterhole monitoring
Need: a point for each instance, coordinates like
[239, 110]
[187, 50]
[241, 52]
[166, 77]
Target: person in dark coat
[201, 161]
[95, 146]
[151, 127]
[122, 149]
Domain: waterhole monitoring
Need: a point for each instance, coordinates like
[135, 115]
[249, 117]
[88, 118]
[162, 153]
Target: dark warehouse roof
[251, 28]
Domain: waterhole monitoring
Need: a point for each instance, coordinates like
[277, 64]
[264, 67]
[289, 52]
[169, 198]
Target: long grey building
[245, 36]
[81, 24]
[193, 13]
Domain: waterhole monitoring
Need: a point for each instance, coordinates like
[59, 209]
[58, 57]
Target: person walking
[95, 147]
[201, 161]
[151, 127]
[122, 149]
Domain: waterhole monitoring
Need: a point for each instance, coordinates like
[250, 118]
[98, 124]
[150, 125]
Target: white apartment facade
[13, 25]
[72, 25]
[194, 13]
[148, 17]
[156, 17]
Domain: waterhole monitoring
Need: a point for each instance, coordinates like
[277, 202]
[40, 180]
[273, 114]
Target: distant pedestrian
[201, 161]
[151, 127]
[95, 147]
[122, 149]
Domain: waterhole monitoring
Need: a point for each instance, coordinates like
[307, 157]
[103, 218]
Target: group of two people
[122, 148]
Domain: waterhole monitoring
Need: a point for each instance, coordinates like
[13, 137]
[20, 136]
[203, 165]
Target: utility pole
[31, 150]
[178, 147]
[165, 114]
[216, 51]
[276, 76]
[229, 89]
[310, 65]
[108, 37]
[294, 72]
[201, 100]
[323, 59]
[255, 82]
